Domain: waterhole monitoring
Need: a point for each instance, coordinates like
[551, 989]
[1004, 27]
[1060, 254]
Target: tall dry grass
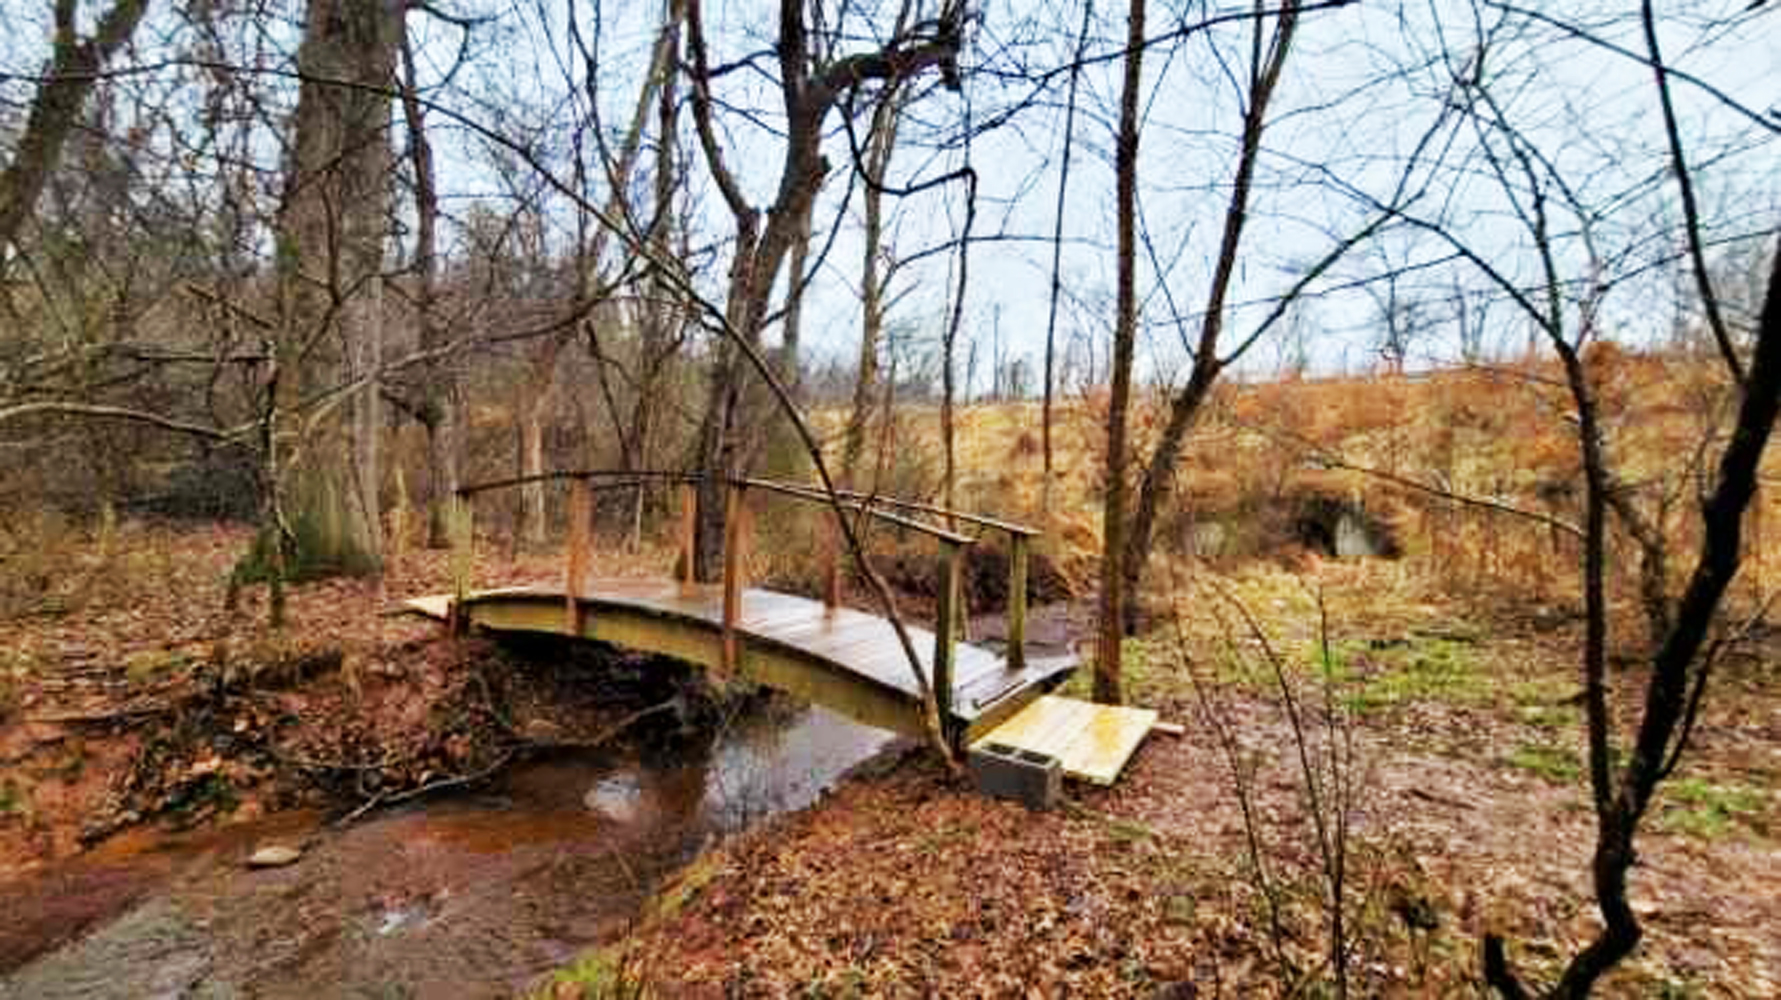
[1474, 472]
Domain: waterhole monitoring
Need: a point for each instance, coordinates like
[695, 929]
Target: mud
[474, 895]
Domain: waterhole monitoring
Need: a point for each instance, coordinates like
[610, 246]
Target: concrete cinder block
[1006, 772]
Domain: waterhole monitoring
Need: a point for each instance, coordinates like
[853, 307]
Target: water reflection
[468, 896]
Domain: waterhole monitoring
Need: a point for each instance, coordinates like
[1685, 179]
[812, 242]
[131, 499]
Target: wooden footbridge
[846, 660]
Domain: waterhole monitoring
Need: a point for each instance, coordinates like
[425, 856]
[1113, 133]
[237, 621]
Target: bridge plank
[847, 641]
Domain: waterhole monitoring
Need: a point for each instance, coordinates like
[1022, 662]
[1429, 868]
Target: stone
[274, 856]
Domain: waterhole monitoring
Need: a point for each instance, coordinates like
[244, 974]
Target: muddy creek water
[474, 895]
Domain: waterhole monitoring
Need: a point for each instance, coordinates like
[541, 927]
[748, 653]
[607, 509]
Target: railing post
[462, 539]
[945, 628]
[689, 524]
[734, 558]
[580, 521]
[1017, 600]
[831, 554]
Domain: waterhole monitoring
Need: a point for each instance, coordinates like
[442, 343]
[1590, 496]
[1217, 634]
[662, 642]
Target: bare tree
[1108, 656]
[811, 82]
[1546, 203]
[440, 408]
[74, 67]
[1057, 261]
[331, 233]
[1271, 43]
[881, 144]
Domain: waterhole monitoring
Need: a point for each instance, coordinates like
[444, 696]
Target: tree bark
[1057, 268]
[55, 109]
[807, 93]
[1158, 480]
[439, 393]
[880, 146]
[331, 228]
[1108, 659]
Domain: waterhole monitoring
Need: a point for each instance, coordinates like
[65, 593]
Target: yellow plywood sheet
[1091, 742]
[437, 606]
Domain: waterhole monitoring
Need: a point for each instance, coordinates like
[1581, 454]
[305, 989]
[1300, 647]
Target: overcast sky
[1365, 83]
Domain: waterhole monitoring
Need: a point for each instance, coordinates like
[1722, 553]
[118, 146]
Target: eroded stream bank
[472, 894]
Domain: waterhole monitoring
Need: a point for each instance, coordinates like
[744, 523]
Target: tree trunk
[367, 408]
[538, 392]
[331, 229]
[1158, 479]
[880, 145]
[55, 108]
[1125, 332]
[439, 394]
[1057, 267]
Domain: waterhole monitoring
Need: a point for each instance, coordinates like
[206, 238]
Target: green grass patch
[1698, 808]
[1380, 676]
[1128, 831]
[602, 974]
[1546, 702]
[1550, 716]
[1555, 764]
[1145, 674]
[684, 889]
[12, 799]
[15, 667]
[148, 665]
[1251, 672]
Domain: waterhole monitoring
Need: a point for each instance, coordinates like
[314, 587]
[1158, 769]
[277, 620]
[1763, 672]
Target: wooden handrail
[626, 480]
[946, 612]
[463, 535]
[689, 526]
[1017, 601]
[868, 503]
[812, 494]
[949, 608]
[981, 520]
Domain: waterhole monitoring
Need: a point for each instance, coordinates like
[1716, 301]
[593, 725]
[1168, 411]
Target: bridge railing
[906, 514]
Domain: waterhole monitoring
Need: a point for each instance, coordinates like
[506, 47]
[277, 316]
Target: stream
[471, 895]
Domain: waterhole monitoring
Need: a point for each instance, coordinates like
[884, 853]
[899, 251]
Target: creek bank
[474, 894]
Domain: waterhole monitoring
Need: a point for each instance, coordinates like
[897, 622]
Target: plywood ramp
[1091, 742]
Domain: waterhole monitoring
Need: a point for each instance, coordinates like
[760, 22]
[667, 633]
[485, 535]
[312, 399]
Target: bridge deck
[780, 634]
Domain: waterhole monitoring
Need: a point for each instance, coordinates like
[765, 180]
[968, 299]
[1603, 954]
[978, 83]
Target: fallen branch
[600, 738]
[455, 781]
[462, 780]
[138, 711]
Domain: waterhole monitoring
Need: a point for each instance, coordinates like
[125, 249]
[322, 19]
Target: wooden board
[1091, 742]
[437, 606]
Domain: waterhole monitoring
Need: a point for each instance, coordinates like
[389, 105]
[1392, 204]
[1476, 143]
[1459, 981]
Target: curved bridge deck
[843, 659]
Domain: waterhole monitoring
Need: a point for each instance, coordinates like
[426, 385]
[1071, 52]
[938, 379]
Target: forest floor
[129, 696]
[1468, 811]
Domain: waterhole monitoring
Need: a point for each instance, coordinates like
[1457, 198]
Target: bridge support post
[689, 526]
[462, 538]
[831, 555]
[735, 556]
[1017, 600]
[946, 613]
[581, 512]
